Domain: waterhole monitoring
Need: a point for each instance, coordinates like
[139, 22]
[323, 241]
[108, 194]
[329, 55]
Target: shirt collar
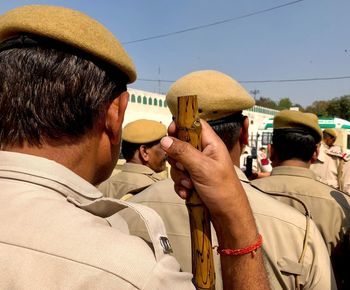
[293, 171]
[46, 173]
[137, 168]
[241, 175]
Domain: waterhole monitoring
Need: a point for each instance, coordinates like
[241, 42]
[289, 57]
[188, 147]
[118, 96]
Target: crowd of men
[66, 223]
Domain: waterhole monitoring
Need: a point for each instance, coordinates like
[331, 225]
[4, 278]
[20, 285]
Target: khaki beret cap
[70, 27]
[288, 119]
[143, 131]
[331, 132]
[218, 94]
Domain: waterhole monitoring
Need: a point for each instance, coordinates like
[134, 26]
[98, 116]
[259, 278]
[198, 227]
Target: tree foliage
[339, 107]
[336, 107]
[284, 104]
[266, 102]
[319, 108]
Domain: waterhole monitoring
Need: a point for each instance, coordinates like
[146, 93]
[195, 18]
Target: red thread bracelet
[236, 252]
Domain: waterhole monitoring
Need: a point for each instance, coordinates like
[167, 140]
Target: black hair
[327, 135]
[228, 129]
[128, 149]
[49, 92]
[299, 145]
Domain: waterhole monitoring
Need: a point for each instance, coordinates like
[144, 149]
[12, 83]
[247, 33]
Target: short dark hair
[326, 135]
[293, 145]
[128, 149]
[228, 129]
[51, 94]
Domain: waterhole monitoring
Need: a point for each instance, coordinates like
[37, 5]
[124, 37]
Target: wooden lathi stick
[189, 130]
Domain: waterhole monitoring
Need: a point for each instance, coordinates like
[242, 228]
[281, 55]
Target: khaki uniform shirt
[131, 179]
[58, 233]
[346, 177]
[329, 208]
[326, 165]
[283, 230]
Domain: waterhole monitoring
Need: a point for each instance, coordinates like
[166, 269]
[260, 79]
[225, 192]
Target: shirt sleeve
[167, 275]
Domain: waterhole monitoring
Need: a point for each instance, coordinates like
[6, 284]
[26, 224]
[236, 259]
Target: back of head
[329, 136]
[295, 135]
[60, 71]
[141, 132]
[221, 100]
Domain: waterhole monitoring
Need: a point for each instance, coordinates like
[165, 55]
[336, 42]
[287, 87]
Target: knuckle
[180, 148]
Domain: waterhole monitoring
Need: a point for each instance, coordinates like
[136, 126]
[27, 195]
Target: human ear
[115, 117]
[244, 135]
[143, 153]
[315, 154]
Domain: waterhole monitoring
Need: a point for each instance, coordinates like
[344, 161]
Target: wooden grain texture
[189, 130]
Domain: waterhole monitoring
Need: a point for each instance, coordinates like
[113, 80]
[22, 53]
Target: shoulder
[299, 181]
[268, 207]
[346, 156]
[284, 230]
[71, 238]
[335, 151]
[125, 182]
[139, 177]
[159, 192]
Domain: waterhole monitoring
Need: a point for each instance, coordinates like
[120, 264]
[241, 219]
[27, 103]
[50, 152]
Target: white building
[147, 105]
[153, 106]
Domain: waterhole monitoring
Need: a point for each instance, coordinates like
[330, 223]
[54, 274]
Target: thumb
[180, 151]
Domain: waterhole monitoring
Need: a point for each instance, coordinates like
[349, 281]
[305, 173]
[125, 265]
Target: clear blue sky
[309, 39]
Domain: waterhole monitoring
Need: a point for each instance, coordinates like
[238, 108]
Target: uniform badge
[165, 243]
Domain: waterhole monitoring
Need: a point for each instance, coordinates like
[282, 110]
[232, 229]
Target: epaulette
[346, 156]
[343, 155]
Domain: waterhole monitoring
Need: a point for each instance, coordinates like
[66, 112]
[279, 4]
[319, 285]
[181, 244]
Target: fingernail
[182, 193]
[166, 142]
[180, 166]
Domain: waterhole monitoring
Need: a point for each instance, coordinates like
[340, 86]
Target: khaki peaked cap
[330, 132]
[70, 27]
[143, 131]
[218, 94]
[288, 119]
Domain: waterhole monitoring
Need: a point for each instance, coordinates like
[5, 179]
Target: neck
[79, 157]
[235, 154]
[136, 159]
[295, 163]
[327, 145]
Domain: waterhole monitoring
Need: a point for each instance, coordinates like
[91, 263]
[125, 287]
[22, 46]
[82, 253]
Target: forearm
[244, 272]
[237, 230]
[212, 175]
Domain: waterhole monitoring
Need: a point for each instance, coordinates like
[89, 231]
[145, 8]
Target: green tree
[319, 108]
[284, 103]
[339, 107]
[266, 102]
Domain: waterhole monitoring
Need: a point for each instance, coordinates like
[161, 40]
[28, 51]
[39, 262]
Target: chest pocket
[294, 268]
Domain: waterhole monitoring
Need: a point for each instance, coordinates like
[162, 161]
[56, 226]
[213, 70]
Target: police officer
[291, 263]
[144, 159]
[62, 102]
[327, 166]
[346, 174]
[294, 147]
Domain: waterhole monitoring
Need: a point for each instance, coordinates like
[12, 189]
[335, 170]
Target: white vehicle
[264, 134]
